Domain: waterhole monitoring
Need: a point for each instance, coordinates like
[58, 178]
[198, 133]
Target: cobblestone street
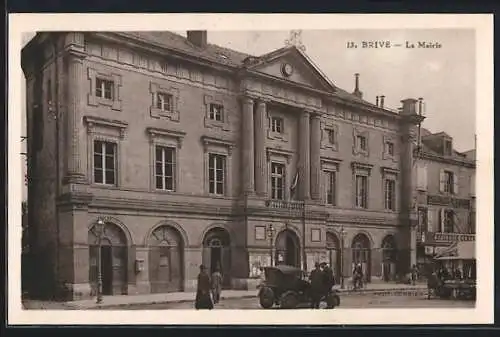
[346, 302]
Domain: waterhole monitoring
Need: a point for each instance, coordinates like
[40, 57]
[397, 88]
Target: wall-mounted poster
[260, 233]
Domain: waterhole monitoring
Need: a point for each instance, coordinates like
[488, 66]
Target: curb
[391, 292]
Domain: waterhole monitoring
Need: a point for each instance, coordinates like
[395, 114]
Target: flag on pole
[293, 187]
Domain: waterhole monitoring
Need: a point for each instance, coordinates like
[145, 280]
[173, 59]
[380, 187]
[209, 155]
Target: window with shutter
[442, 181]
[455, 184]
[430, 220]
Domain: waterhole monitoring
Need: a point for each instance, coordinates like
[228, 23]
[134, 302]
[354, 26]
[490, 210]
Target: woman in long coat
[203, 299]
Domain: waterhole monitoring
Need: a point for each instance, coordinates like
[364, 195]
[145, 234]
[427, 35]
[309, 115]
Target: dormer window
[447, 148]
[277, 124]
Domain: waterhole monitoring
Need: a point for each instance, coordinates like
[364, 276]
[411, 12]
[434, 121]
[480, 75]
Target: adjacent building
[150, 153]
[445, 197]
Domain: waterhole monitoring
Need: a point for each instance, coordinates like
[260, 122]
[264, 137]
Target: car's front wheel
[289, 300]
[266, 297]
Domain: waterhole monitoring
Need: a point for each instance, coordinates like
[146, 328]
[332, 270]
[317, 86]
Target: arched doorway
[287, 249]
[113, 259]
[334, 253]
[361, 253]
[389, 255]
[217, 253]
[166, 260]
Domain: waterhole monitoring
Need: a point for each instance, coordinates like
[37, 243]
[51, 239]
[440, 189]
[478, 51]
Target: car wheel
[289, 300]
[266, 298]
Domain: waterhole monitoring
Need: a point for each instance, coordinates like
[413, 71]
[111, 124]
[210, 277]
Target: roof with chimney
[230, 57]
[427, 149]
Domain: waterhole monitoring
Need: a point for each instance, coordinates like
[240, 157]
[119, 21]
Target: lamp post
[100, 231]
[342, 235]
[270, 235]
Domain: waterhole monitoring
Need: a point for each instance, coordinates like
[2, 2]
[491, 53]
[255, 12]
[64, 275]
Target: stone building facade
[188, 152]
[445, 195]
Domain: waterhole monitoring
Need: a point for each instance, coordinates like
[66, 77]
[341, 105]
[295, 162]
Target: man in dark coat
[203, 299]
[329, 279]
[317, 286]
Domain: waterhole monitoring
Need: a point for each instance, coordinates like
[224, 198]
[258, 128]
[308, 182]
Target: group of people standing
[209, 288]
[322, 280]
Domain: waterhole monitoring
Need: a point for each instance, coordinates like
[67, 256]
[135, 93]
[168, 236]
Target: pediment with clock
[292, 65]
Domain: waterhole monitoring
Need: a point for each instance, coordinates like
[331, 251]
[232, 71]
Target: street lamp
[270, 235]
[100, 231]
[342, 235]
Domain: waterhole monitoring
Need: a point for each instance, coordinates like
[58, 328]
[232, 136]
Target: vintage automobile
[287, 287]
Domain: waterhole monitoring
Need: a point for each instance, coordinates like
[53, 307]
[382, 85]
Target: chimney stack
[420, 104]
[376, 101]
[357, 92]
[382, 98]
[197, 37]
[409, 106]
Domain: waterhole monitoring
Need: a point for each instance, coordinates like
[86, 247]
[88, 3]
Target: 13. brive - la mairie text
[389, 44]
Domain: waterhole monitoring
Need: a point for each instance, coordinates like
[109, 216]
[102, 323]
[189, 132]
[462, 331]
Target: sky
[444, 77]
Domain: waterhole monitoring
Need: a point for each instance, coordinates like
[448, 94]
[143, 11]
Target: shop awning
[465, 250]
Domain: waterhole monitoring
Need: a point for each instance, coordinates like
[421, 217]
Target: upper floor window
[164, 101]
[447, 221]
[165, 168]
[389, 146]
[448, 148]
[277, 124]
[331, 187]
[104, 88]
[390, 194]
[331, 136]
[472, 222]
[361, 191]
[104, 162]
[216, 112]
[422, 219]
[361, 142]
[277, 181]
[447, 182]
[216, 173]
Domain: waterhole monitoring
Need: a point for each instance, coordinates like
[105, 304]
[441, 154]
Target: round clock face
[287, 69]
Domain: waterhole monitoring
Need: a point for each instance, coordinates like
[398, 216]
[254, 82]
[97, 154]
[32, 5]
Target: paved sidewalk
[376, 289]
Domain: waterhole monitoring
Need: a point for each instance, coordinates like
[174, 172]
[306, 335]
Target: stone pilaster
[304, 156]
[315, 156]
[248, 146]
[75, 87]
[260, 149]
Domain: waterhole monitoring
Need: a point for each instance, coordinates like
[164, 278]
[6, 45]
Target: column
[304, 156]
[248, 146]
[315, 156]
[260, 149]
[75, 86]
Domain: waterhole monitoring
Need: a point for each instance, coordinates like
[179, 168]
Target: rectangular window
[361, 142]
[447, 148]
[104, 88]
[216, 173]
[163, 101]
[390, 194]
[277, 181]
[472, 222]
[448, 221]
[165, 168]
[389, 148]
[331, 185]
[422, 219]
[331, 136]
[104, 162]
[216, 112]
[361, 191]
[448, 182]
[276, 124]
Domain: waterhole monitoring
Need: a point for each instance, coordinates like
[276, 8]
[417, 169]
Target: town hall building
[150, 153]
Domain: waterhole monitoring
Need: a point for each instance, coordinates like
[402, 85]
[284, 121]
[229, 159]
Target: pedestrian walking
[414, 274]
[203, 299]
[317, 286]
[216, 284]
[328, 278]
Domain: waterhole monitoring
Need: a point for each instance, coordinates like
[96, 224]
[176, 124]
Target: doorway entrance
[112, 259]
[361, 254]
[389, 258]
[334, 253]
[287, 249]
[217, 254]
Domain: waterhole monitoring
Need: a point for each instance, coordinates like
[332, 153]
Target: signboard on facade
[444, 200]
[450, 237]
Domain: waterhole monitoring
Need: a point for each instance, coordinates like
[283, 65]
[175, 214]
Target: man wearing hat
[317, 286]
[203, 299]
